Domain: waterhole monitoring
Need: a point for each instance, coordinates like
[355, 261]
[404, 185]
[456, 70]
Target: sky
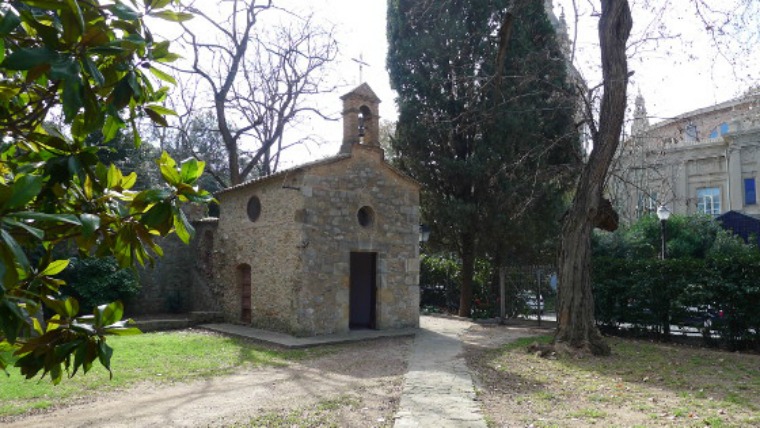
[677, 69]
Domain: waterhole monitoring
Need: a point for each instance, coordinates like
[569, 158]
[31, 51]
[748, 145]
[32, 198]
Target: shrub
[708, 273]
[95, 281]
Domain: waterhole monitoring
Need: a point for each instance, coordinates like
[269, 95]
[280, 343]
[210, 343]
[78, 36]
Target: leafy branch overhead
[99, 67]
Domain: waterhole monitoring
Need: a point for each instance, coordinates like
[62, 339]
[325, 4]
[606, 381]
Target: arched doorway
[244, 285]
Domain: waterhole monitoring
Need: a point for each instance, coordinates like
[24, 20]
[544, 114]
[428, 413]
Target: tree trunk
[468, 272]
[576, 327]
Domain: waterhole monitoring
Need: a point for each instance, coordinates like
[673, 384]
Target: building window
[366, 216]
[708, 200]
[254, 208]
[691, 133]
[721, 129]
[647, 203]
[750, 197]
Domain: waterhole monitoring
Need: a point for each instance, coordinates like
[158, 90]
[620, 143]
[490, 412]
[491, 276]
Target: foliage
[196, 136]
[710, 275]
[97, 281]
[484, 134]
[97, 65]
[440, 284]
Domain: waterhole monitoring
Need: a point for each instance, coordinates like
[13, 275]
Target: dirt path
[358, 386]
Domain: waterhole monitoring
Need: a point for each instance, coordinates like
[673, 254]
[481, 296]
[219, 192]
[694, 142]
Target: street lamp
[663, 213]
[424, 233]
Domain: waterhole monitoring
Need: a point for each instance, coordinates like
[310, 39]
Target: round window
[254, 208]
[366, 216]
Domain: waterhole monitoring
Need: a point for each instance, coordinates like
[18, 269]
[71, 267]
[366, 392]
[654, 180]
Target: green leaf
[163, 76]
[113, 177]
[170, 15]
[124, 12]
[37, 233]
[158, 4]
[93, 71]
[168, 168]
[159, 217]
[157, 118]
[90, 223]
[27, 58]
[55, 267]
[111, 128]
[15, 249]
[9, 22]
[26, 188]
[72, 98]
[74, 6]
[67, 308]
[161, 109]
[11, 320]
[45, 4]
[122, 331]
[183, 228]
[60, 218]
[191, 171]
[129, 181]
[104, 355]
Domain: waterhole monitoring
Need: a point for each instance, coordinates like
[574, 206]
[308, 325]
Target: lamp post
[663, 213]
[424, 233]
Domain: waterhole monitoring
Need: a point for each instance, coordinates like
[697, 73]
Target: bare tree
[576, 327]
[259, 77]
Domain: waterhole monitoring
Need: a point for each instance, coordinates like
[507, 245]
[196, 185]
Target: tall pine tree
[490, 139]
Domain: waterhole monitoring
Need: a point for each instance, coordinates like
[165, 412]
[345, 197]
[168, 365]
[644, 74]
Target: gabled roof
[299, 168]
[309, 165]
[363, 91]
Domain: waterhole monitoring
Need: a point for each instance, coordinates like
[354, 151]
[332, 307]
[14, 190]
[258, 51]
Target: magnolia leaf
[170, 15]
[28, 58]
[55, 267]
[26, 188]
[90, 223]
[156, 117]
[9, 22]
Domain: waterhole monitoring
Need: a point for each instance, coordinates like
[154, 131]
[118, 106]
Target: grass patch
[322, 414]
[641, 384]
[154, 357]
[524, 342]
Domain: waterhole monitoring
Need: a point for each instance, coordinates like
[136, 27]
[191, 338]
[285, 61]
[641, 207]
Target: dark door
[363, 290]
[244, 279]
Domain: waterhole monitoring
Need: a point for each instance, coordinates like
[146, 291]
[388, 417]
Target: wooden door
[363, 290]
[244, 281]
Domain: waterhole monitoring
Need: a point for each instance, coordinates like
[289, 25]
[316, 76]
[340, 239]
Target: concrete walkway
[438, 389]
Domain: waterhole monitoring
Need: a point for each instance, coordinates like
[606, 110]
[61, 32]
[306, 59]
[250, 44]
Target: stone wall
[269, 246]
[173, 283]
[334, 194]
[298, 249]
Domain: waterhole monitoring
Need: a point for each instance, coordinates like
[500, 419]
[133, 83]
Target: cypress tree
[489, 141]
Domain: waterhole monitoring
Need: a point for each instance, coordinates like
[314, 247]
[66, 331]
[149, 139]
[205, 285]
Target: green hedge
[709, 270]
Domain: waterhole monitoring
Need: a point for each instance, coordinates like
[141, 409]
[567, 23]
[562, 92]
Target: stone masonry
[287, 239]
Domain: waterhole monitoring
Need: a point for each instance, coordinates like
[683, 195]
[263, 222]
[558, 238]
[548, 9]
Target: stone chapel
[321, 248]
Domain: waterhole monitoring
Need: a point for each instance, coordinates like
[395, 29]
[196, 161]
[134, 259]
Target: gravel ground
[359, 385]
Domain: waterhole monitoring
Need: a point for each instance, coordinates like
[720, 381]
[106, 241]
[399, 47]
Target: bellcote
[361, 118]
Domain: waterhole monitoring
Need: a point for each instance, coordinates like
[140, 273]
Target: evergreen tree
[488, 134]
